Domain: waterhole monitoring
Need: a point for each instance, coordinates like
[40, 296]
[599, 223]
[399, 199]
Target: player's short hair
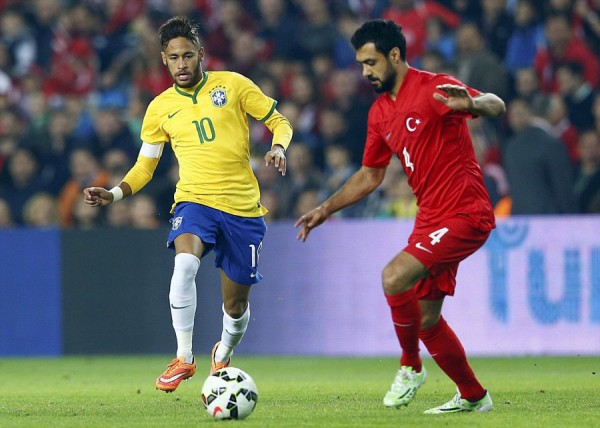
[385, 34]
[179, 26]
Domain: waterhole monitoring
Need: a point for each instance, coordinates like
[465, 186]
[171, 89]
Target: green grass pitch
[293, 392]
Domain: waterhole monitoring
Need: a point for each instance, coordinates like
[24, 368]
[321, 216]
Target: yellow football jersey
[207, 127]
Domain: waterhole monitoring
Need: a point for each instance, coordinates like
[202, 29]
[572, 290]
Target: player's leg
[182, 300]
[236, 315]
[447, 351]
[182, 294]
[399, 278]
[459, 241]
[237, 253]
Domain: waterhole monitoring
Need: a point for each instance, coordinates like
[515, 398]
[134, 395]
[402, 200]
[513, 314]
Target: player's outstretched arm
[99, 196]
[458, 98]
[362, 182]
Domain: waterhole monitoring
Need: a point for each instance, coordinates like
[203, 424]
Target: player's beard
[196, 75]
[387, 81]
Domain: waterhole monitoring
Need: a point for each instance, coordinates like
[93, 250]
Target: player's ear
[396, 59]
[164, 58]
[201, 54]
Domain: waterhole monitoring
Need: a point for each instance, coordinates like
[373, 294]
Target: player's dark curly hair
[178, 26]
[386, 35]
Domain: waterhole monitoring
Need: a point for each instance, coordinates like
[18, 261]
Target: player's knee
[394, 280]
[186, 266]
[183, 285]
[235, 307]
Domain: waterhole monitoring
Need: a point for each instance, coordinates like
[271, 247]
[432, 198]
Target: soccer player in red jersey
[421, 118]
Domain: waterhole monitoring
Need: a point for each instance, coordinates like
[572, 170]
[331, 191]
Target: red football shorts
[441, 248]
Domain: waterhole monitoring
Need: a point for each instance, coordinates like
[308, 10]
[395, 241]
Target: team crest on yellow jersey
[218, 96]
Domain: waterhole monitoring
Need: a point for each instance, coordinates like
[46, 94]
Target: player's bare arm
[276, 156]
[362, 182]
[99, 196]
[458, 98]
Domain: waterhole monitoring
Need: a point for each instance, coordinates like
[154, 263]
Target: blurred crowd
[76, 77]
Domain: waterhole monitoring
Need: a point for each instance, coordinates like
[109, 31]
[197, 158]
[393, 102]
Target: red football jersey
[434, 145]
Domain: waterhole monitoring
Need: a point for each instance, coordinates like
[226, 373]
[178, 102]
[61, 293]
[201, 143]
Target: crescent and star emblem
[413, 127]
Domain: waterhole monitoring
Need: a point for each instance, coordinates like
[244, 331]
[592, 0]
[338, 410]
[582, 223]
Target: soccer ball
[229, 393]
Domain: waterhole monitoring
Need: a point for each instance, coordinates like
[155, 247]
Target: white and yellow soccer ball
[229, 393]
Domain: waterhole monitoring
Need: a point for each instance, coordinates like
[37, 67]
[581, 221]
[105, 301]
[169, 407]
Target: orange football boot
[177, 371]
[214, 365]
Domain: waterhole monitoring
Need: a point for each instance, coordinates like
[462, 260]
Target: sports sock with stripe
[182, 298]
[406, 316]
[233, 331]
[447, 351]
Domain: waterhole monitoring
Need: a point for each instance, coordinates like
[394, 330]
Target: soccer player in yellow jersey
[204, 117]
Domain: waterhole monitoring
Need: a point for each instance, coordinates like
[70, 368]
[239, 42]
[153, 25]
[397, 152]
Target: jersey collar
[192, 92]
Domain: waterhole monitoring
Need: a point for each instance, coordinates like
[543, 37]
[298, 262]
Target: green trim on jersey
[195, 94]
[264, 119]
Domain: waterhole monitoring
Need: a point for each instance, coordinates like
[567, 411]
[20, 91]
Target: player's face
[184, 61]
[376, 67]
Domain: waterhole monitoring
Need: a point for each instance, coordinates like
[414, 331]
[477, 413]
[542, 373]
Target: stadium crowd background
[76, 77]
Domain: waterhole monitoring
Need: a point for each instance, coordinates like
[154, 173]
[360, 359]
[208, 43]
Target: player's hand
[309, 221]
[458, 97]
[97, 196]
[276, 156]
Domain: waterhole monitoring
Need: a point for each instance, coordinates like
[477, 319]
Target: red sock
[447, 351]
[406, 315]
